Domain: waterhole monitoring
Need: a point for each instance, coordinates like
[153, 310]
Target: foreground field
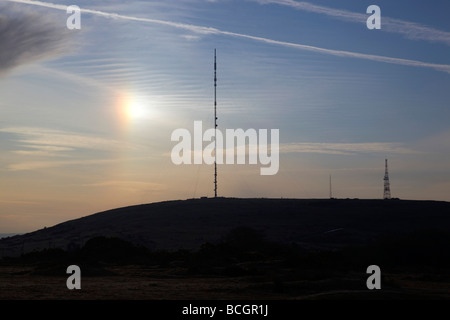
[138, 283]
[245, 266]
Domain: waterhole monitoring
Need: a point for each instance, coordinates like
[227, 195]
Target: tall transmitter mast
[215, 125]
[387, 187]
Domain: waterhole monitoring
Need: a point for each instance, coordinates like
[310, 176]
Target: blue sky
[343, 97]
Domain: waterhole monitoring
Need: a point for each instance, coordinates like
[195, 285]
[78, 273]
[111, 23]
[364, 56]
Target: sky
[86, 115]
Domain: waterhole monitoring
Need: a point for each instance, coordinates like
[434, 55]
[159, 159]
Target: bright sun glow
[138, 109]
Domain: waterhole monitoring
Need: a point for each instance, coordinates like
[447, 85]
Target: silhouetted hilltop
[187, 224]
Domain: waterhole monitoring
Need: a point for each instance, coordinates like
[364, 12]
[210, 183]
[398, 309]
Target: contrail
[410, 30]
[214, 31]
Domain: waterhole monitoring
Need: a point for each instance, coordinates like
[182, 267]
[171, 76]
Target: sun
[137, 109]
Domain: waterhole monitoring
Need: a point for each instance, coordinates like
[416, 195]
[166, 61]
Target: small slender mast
[215, 125]
[331, 194]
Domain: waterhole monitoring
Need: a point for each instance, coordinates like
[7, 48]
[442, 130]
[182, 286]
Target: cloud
[306, 6]
[346, 148]
[56, 140]
[35, 165]
[27, 36]
[191, 37]
[40, 153]
[214, 31]
[41, 146]
[410, 30]
[348, 54]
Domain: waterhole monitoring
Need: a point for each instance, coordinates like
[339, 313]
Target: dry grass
[143, 283]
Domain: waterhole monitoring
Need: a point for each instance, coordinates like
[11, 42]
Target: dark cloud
[27, 36]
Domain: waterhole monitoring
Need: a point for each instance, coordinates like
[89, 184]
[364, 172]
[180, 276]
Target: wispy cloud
[39, 147]
[36, 165]
[310, 7]
[57, 140]
[214, 31]
[325, 148]
[26, 37]
[39, 153]
[346, 148]
[410, 30]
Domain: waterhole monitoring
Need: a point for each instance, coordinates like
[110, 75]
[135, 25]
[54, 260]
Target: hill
[187, 224]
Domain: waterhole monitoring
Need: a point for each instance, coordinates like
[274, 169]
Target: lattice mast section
[387, 187]
[215, 125]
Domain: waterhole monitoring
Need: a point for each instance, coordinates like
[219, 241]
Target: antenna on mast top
[215, 125]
